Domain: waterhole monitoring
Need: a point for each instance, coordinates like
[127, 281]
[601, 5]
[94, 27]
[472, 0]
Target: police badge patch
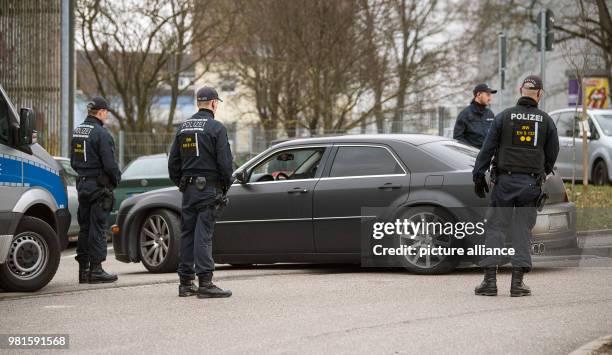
[189, 145]
[525, 133]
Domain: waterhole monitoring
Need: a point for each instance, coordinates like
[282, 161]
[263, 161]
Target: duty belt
[191, 180]
[535, 175]
[83, 178]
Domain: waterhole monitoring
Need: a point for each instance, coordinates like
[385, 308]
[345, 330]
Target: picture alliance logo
[412, 229]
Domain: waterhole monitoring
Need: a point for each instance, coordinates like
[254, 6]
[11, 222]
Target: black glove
[481, 186]
[182, 184]
[221, 202]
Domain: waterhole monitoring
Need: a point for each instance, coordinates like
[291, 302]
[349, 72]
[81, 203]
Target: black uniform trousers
[197, 225]
[91, 245]
[513, 207]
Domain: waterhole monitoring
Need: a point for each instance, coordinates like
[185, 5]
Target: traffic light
[547, 28]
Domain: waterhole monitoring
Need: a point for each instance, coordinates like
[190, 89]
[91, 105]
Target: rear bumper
[556, 225]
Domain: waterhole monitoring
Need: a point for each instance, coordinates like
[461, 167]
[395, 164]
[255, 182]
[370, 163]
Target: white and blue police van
[34, 217]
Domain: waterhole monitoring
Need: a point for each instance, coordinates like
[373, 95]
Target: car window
[456, 155]
[605, 122]
[364, 161]
[4, 120]
[565, 123]
[555, 117]
[147, 168]
[290, 164]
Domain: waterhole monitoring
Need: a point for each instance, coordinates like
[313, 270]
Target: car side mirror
[27, 122]
[241, 176]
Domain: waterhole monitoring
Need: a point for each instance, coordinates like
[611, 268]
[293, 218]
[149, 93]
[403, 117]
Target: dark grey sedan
[302, 200]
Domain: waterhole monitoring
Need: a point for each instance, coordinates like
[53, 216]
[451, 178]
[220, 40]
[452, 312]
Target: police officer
[474, 121]
[200, 164]
[93, 158]
[524, 141]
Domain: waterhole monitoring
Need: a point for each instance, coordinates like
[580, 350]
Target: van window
[4, 121]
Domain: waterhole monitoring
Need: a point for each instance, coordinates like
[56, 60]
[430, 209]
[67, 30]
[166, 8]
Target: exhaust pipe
[538, 248]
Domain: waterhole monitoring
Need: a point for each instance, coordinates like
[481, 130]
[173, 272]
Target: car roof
[414, 139]
[152, 156]
[589, 110]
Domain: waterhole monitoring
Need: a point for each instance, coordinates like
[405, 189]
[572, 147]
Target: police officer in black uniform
[474, 121]
[93, 158]
[524, 141]
[200, 164]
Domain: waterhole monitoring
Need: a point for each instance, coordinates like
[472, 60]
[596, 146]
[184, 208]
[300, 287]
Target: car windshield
[147, 168]
[456, 155]
[605, 121]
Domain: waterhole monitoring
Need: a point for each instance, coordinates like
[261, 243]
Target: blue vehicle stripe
[15, 171]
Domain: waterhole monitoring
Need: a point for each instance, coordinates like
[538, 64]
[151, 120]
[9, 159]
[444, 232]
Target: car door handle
[389, 186]
[297, 190]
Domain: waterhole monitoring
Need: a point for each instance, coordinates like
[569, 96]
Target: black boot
[488, 287]
[83, 272]
[517, 287]
[187, 287]
[208, 290]
[97, 275]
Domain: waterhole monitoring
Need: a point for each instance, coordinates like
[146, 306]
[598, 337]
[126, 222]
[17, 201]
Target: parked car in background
[599, 133]
[145, 173]
[301, 201]
[69, 177]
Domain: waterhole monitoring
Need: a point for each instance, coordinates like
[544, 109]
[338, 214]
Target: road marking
[57, 307]
[73, 255]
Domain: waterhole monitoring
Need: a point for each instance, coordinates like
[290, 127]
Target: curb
[594, 239]
[594, 232]
[592, 346]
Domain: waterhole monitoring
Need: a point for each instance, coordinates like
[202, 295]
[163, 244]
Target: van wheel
[600, 174]
[33, 259]
[158, 241]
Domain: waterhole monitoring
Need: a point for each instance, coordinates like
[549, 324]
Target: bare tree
[590, 21]
[421, 57]
[134, 48]
[586, 20]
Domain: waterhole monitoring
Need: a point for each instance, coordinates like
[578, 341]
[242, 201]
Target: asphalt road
[316, 309]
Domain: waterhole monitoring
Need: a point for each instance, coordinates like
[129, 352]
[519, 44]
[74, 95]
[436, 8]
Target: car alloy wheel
[154, 240]
[28, 256]
[425, 240]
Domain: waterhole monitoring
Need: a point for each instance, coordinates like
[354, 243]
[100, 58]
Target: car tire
[158, 241]
[600, 174]
[33, 259]
[422, 266]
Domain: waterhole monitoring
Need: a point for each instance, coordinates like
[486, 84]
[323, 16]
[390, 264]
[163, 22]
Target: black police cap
[532, 82]
[97, 103]
[207, 93]
[483, 88]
